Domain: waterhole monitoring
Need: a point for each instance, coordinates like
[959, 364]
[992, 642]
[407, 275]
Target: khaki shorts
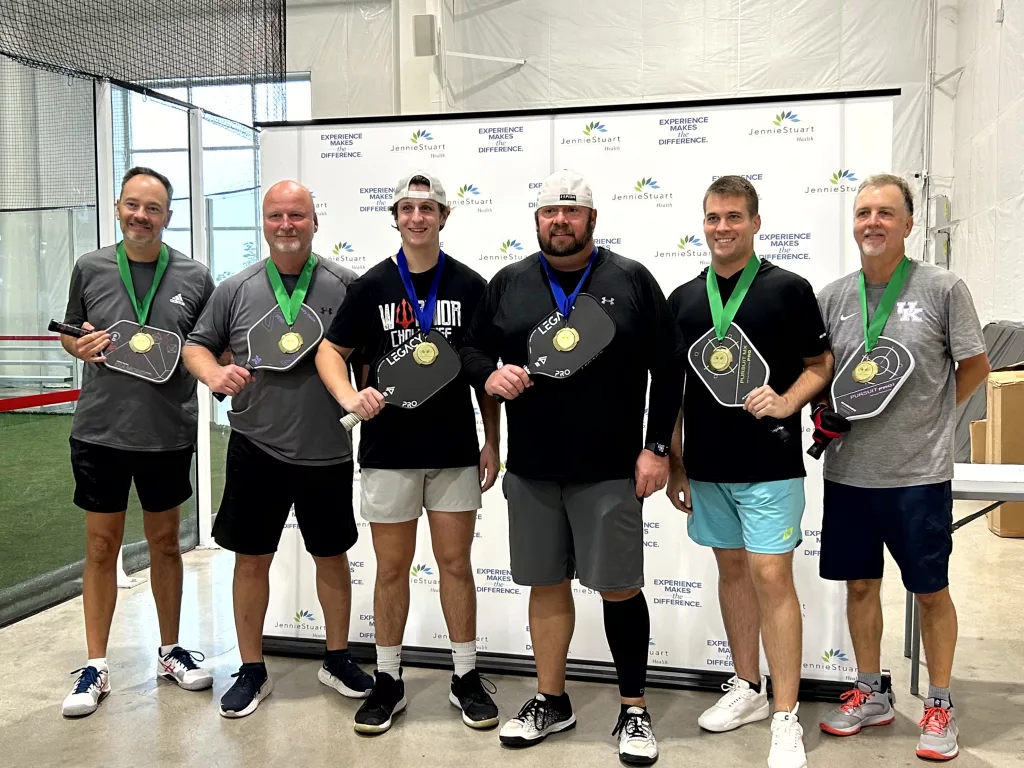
[400, 495]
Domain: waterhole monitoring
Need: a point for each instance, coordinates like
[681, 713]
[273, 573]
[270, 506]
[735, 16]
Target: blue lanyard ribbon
[563, 302]
[425, 316]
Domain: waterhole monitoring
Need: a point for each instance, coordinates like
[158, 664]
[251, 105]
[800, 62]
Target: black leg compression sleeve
[627, 625]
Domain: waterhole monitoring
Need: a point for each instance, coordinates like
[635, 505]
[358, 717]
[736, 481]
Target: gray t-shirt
[122, 411]
[289, 414]
[911, 441]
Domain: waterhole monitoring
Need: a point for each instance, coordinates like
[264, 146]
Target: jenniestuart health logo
[467, 190]
[688, 247]
[595, 132]
[301, 616]
[785, 124]
[303, 621]
[470, 196]
[839, 182]
[342, 247]
[424, 574]
[507, 250]
[647, 190]
[834, 660]
[421, 570]
[510, 246]
[344, 252]
[421, 140]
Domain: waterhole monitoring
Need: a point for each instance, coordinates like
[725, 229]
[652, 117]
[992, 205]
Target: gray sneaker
[938, 731]
[861, 707]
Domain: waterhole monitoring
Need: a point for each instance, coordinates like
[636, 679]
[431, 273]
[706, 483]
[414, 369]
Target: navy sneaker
[342, 674]
[252, 686]
[386, 700]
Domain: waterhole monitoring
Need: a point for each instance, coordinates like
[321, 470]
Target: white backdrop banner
[649, 169]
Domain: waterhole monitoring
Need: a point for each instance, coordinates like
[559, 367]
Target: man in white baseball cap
[424, 457]
[577, 469]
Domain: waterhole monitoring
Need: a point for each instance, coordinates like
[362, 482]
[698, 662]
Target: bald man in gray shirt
[127, 428]
[287, 445]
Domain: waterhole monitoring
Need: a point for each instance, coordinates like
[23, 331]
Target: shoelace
[785, 735]
[853, 699]
[636, 726]
[935, 721]
[90, 677]
[475, 689]
[734, 692]
[535, 710]
[246, 681]
[187, 659]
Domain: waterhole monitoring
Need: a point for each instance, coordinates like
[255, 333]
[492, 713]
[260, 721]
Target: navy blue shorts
[915, 523]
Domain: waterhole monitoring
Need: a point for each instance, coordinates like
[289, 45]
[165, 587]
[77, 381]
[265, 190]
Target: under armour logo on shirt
[607, 299]
[909, 312]
[176, 299]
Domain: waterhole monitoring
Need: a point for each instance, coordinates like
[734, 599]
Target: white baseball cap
[565, 187]
[436, 192]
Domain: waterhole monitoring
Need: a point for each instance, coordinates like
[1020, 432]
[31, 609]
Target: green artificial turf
[40, 528]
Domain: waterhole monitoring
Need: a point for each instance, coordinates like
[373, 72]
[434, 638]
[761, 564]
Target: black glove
[828, 426]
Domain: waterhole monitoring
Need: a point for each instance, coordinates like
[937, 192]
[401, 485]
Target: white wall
[988, 191]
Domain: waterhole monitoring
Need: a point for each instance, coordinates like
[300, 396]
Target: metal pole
[929, 131]
[200, 252]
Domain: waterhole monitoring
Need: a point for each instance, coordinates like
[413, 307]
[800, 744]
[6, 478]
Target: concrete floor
[145, 723]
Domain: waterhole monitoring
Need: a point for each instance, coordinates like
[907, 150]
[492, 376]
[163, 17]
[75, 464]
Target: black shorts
[915, 523]
[103, 477]
[259, 491]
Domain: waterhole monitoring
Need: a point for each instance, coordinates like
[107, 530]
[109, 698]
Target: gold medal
[141, 342]
[290, 343]
[425, 353]
[721, 359]
[566, 339]
[865, 371]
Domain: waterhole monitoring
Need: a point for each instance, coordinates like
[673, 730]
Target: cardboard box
[1003, 437]
[979, 444]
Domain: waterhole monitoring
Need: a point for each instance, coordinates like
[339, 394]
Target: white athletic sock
[389, 659]
[165, 649]
[464, 656]
[100, 664]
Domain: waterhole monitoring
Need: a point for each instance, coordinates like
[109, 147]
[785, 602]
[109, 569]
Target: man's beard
[566, 248]
[289, 245]
[141, 237]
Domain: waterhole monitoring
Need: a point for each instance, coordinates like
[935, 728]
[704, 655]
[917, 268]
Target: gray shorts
[401, 495]
[590, 531]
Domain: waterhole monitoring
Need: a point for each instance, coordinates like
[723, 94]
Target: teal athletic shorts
[760, 517]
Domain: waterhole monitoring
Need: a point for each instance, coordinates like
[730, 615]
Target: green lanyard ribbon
[873, 328]
[290, 304]
[723, 316]
[141, 311]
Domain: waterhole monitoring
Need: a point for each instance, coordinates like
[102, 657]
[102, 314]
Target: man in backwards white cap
[423, 457]
[578, 466]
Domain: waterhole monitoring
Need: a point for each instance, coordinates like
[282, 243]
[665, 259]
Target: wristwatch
[658, 449]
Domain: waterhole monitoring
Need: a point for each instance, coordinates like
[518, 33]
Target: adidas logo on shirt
[176, 299]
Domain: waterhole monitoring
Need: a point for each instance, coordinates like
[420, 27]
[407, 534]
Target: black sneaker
[538, 718]
[342, 674]
[386, 700]
[468, 694]
[252, 686]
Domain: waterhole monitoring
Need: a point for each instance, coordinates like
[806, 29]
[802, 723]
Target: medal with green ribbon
[721, 356]
[141, 342]
[867, 369]
[290, 342]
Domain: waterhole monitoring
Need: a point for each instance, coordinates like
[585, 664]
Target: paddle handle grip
[220, 395]
[348, 421]
[818, 447]
[67, 330]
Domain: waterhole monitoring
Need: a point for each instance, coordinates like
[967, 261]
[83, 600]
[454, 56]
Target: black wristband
[658, 449]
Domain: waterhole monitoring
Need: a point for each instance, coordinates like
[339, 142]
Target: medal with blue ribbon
[567, 337]
[426, 351]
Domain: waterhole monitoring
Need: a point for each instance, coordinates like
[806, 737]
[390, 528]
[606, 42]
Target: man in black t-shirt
[742, 487]
[578, 466]
[420, 457]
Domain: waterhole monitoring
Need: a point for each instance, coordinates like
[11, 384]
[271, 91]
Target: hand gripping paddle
[413, 372]
[276, 346]
[731, 369]
[142, 351]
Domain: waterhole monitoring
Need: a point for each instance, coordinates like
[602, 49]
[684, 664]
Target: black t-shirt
[376, 317]
[587, 427]
[781, 318]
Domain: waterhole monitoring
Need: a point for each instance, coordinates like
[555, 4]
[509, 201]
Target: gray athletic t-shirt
[911, 441]
[122, 411]
[289, 414]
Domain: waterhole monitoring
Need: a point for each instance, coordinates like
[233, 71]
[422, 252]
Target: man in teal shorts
[742, 485]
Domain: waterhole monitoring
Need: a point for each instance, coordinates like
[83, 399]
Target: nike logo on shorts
[846, 317]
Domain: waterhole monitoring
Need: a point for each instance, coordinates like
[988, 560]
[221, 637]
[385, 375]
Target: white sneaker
[90, 689]
[179, 666]
[637, 745]
[787, 741]
[740, 705]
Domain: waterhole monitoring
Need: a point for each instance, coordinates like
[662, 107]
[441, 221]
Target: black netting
[175, 41]
[47, 139]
